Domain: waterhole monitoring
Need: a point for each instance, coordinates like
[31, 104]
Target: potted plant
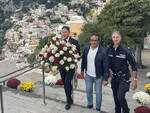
[147, 87]
[142, 109]
[13, 83]
[50, 80]
[142, 98]
[148, 74]
[27, 86]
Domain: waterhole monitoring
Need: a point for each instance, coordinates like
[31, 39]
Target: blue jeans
[98, 89]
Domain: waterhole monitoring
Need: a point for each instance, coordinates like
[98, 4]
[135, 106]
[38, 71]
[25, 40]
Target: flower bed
[147, 87]
[50, 80]
[142, 109]
[148, 74]
[142, 97]
[13, 83]
[27, 86]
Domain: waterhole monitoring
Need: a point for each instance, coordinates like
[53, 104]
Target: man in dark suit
[67, 76]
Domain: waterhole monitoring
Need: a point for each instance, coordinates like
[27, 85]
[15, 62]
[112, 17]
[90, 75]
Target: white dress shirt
[67, 39]
[91, 62]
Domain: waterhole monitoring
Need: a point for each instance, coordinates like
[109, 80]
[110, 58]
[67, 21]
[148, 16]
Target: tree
[130, 17]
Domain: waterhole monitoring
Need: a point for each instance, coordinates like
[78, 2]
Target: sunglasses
[93, 40]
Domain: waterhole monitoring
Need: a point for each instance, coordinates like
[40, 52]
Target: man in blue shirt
[119, 57]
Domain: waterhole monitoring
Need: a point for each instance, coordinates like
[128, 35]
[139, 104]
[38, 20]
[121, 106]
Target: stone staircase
[17, 101]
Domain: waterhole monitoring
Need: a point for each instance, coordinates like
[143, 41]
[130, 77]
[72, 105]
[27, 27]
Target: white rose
[51, 59]
[46, 46]
[73, 48]
[46, 64]
[61, 62]
[76, 56]
[69, 59]
[53, 51]
[61, 52]
[57, 55]
[70, 52]
[65, 48]
[67, 68]
[62, 42]
[54, 38]
[59, 36]
[55, 48]
[57, 43]
[75, 60]
[43, 50]
[65, 58]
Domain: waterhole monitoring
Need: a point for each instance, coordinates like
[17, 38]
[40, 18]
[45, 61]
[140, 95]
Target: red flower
[48, 55]
[57, 38]
[142, 109]
[59, 82]
[13, 82]
[76, 51]
[43, 58]
[65, 39]
[68, 54]
[40, 55]
[78, 58]
[48, 44]
[53, 41]
[56, 59]
[60, 46]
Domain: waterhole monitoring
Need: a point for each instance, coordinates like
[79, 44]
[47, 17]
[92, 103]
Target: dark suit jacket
[75, 42]
[101, 62]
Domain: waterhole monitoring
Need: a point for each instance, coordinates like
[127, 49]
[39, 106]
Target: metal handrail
[15, 71]
[3, 79]
[19, 74]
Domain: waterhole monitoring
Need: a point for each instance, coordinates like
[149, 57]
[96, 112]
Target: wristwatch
[134, 78]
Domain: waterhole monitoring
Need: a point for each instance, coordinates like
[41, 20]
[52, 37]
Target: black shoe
[90, 106]
[68, 106]
[97, 109]
[71, 102]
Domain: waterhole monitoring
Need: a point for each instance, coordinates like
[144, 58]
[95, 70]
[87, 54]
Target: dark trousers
[67, 78]
[120, 85]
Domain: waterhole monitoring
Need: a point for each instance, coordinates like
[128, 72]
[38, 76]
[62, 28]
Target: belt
[120, 74]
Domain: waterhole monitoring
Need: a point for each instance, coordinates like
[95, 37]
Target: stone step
[17, 101]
